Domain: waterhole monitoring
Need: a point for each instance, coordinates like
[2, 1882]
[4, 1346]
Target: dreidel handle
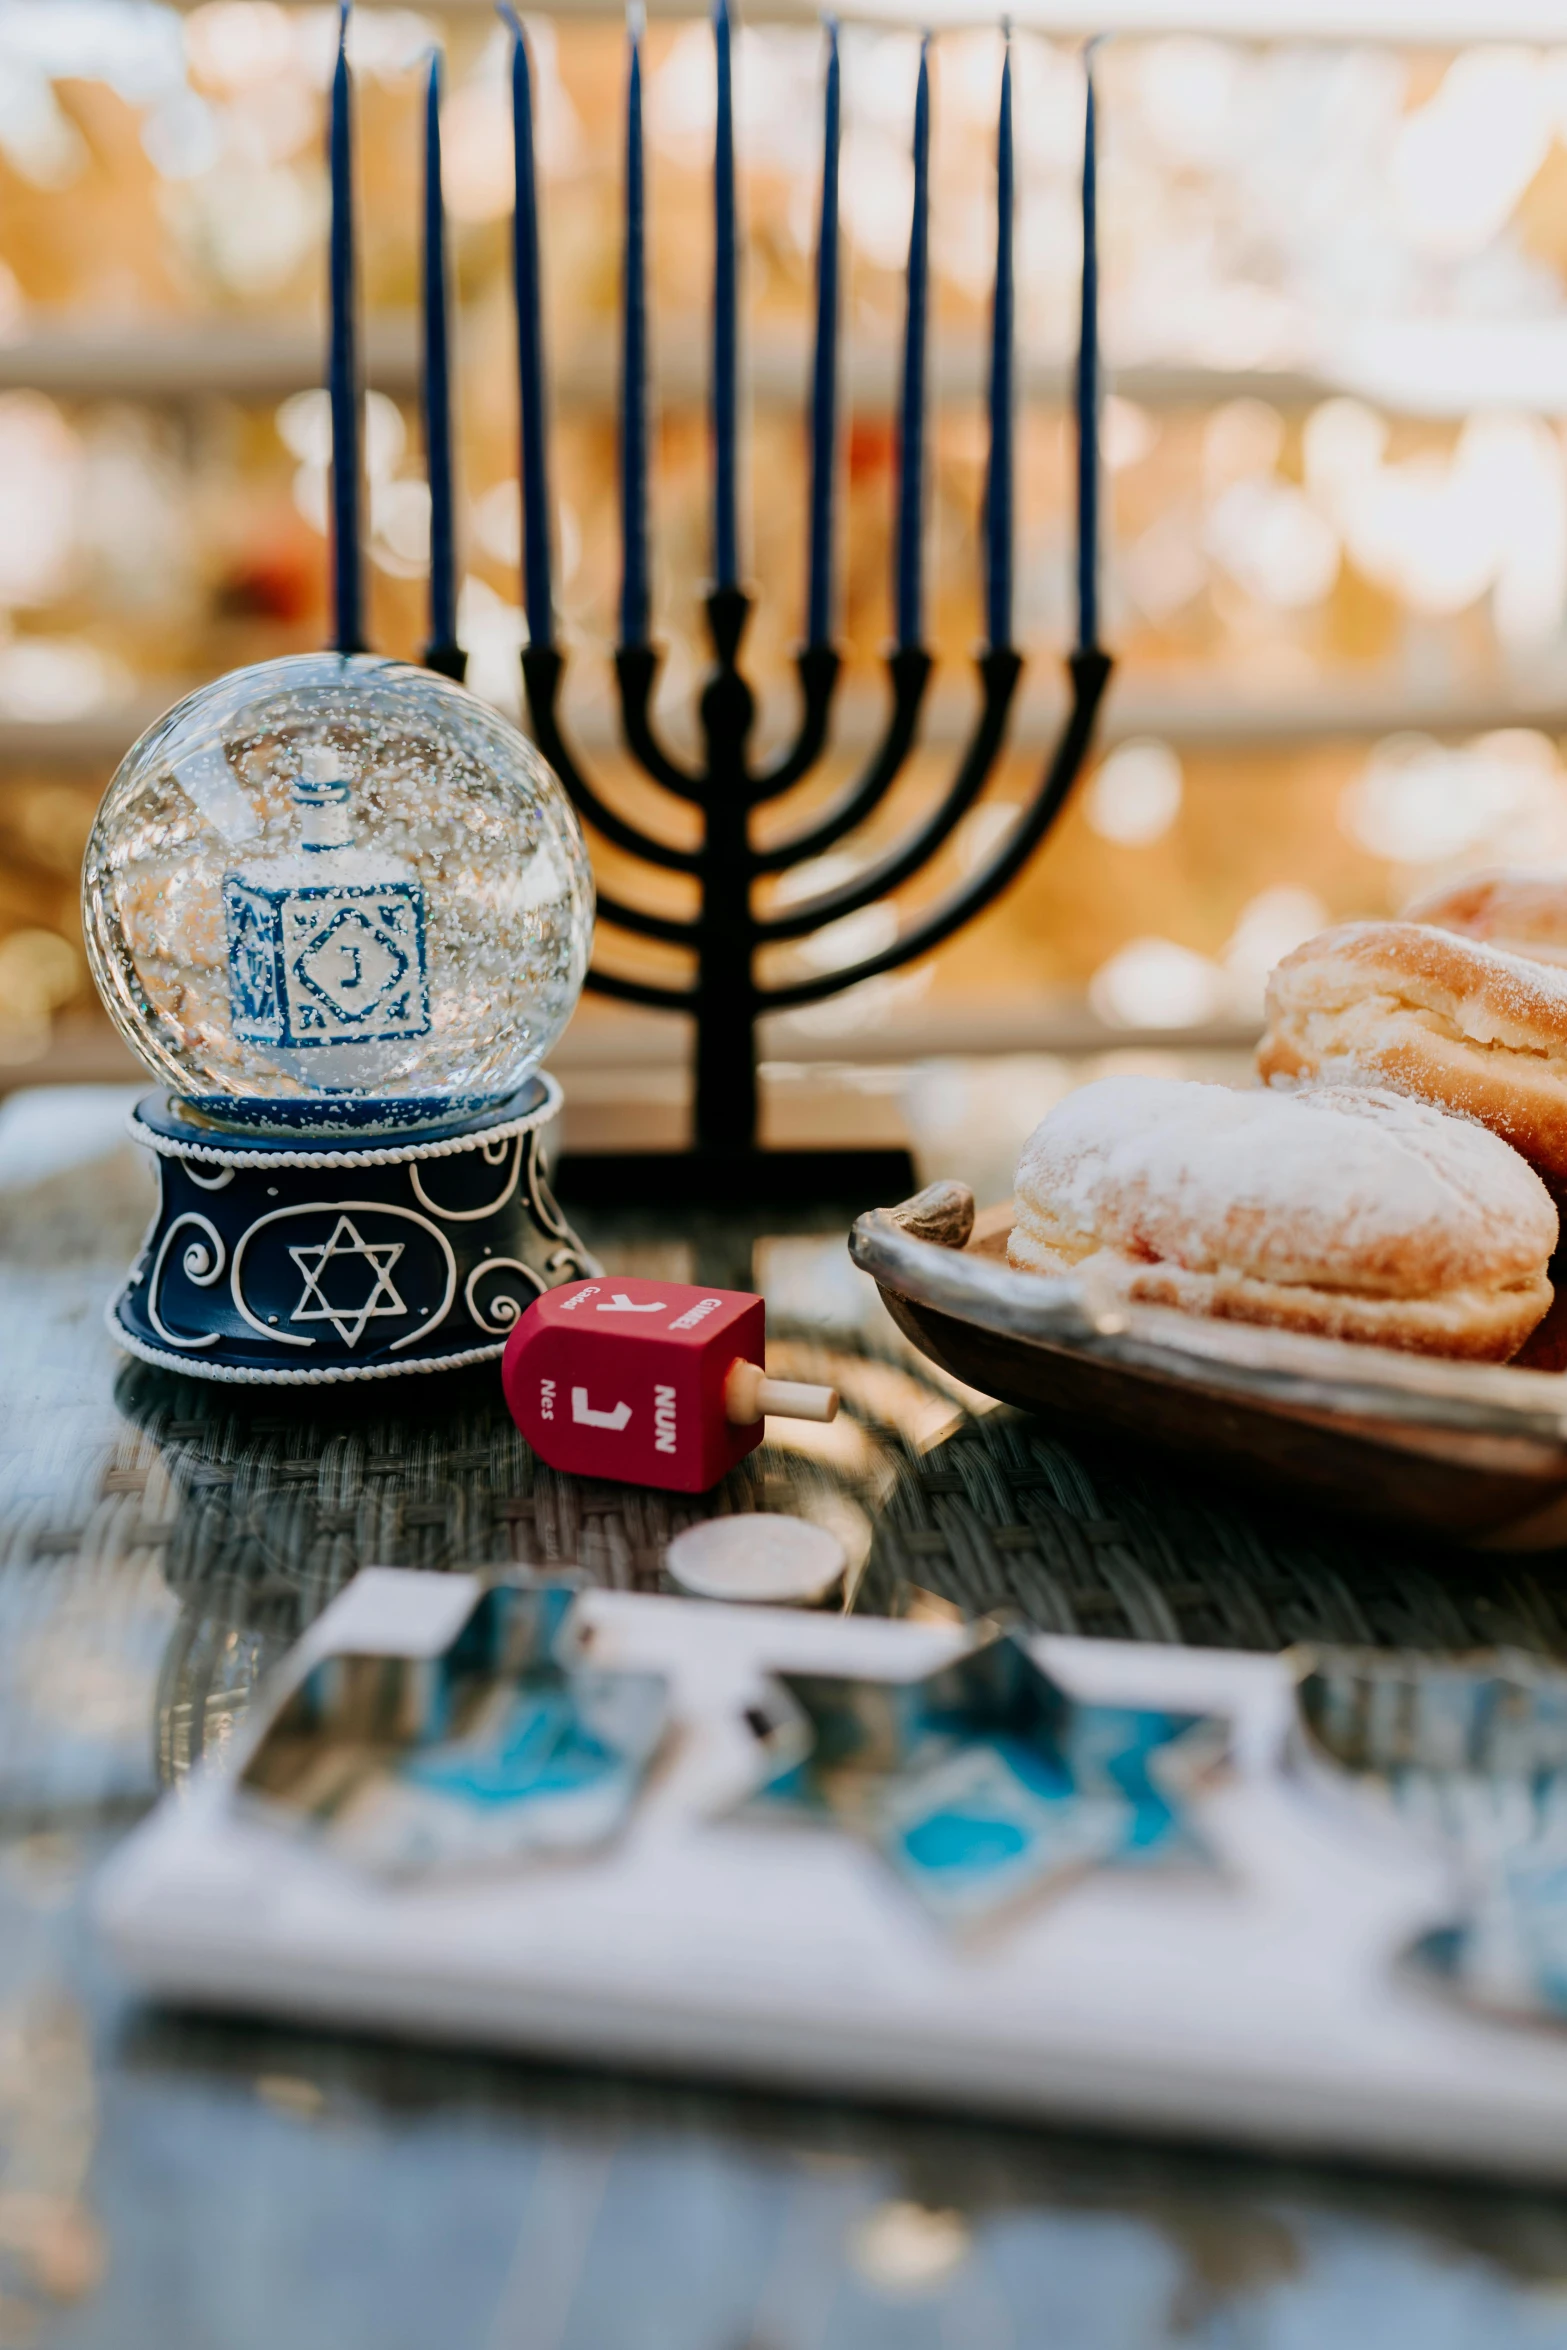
[749, 1396]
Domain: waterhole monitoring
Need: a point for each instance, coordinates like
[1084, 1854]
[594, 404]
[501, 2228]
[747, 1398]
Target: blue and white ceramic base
[283, 1261]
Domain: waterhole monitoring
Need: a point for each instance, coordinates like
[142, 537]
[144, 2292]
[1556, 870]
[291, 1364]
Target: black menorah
[726, 935]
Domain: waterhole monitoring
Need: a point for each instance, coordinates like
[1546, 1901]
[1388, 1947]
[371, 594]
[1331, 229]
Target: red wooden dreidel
[648, 1382]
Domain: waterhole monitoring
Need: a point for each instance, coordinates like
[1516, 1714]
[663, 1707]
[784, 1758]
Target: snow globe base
[278, 1259]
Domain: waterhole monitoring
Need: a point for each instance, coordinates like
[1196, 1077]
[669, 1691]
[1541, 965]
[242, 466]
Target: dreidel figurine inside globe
[326, 940]
[649, 1382]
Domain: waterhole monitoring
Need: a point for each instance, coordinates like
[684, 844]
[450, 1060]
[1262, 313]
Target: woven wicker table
[168, 2182]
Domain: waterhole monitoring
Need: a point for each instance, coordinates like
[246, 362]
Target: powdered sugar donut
[1347, 1212]
[1442, 1017]
[1522, 912]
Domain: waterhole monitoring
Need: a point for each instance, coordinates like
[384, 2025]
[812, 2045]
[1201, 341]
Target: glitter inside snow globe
[335, 893]
[341, 910]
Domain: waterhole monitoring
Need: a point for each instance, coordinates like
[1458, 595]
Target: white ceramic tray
[1265, 2006]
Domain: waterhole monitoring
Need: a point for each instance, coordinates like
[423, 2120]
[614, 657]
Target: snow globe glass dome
[336, 894]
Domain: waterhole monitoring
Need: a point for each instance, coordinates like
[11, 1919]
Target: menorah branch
[999, 669]
[542, 666]
[641, 991]
[818, 667]
[674, 930]
[447, 659]
[1090, 674]
[636, 666]
[909, 669]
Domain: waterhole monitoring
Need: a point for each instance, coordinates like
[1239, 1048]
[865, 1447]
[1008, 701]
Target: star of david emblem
[986, 1783]
[349, 1314]
[352, 965]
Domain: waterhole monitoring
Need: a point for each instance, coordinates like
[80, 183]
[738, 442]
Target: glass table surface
[203, 2185]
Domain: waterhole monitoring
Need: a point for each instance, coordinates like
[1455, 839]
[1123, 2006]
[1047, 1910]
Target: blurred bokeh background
[1335, 324]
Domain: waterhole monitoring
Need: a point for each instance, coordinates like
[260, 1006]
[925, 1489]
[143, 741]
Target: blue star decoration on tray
[986, 1784]
[1471, 1752]
[490, 1753]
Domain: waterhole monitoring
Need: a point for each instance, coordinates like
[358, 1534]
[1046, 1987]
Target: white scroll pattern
[200, 1265]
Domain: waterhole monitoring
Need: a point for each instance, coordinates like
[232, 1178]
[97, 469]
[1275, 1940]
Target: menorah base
[850, 1179]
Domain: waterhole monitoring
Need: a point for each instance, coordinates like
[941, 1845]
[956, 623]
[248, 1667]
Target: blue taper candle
[437, 380]
[634, 589]
[824, 381]
[1088, 390]
[343, 364]
[999, 482]
[726, 358]
[911, 457]
[536, 593]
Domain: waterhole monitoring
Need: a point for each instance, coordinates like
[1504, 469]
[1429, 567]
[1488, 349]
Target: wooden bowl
[1474, 1452]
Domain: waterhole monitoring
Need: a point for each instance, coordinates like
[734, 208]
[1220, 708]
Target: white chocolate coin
[758, 1555]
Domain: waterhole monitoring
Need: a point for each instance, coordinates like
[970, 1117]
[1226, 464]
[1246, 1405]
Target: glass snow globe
[335, 894]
